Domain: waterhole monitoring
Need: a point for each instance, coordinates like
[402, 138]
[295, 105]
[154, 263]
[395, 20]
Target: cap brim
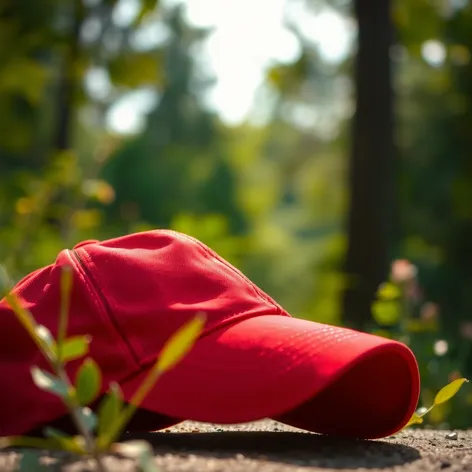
[321, 378]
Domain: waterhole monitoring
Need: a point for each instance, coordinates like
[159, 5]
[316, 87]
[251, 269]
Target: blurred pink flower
[402, 270]
[429, 311]
[466, 330]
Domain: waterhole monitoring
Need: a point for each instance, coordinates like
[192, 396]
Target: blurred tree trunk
[67, 89]
[370, 177]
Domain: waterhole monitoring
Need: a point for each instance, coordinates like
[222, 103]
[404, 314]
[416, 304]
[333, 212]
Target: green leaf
[174, 350]
[146, 462]
[388, 291]
[447, 392]
[30, 462]
[48, 382]
[73, 348]
[88, 382]
[415, 419]
[45, 335]
[386, 312]
[109, 409]
[33, 442]
[88, 418]
[54, 433]
[26, 319]
[180, 343]
[73, 444]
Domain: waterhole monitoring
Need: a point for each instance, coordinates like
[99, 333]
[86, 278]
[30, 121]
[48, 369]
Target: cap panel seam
[213, 255]
[102, 302]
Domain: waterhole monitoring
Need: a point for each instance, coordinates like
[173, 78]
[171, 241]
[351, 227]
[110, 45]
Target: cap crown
[130, 294]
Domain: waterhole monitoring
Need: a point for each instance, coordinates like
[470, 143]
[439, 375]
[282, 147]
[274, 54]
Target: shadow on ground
[294, 448]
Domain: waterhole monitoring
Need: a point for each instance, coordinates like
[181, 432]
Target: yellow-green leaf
[174, 350]
[74, 348]
[415, 419]
[88, 382]
[24, 316]
[180, 343]
[388, 291]
[109, 409]
[447, 392]
[72, 444]
[386, 312]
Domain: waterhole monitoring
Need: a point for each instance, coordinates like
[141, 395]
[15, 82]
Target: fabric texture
[253, 360]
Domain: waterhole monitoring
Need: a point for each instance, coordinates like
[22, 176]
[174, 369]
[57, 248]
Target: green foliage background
[270, 197]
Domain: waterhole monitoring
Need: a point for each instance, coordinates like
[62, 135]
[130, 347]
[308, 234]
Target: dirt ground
[267, 446]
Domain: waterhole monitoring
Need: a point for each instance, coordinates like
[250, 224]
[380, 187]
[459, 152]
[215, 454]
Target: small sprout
[57, 354]
[447, 392]
[73, 348]
[48, 382]
[174, 351]
[415, 419]
[422, 411]
[74, 444]
[26, 319]
[88, 418]
[109, 409]
[180, 343]
[88, 382]
[444, 395]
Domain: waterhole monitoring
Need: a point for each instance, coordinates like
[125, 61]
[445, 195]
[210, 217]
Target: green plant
[444, 395]
[394, 311]
[97, 432]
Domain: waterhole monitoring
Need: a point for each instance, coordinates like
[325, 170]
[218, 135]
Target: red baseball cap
[253, 360]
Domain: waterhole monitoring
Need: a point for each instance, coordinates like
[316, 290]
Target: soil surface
[267, 446]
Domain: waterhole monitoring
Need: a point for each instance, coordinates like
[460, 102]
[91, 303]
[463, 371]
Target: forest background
[312, 143]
